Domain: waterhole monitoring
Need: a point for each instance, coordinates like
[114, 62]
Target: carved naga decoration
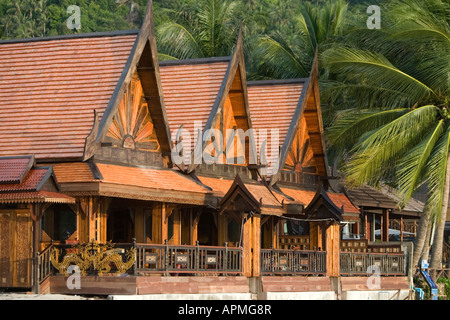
[99, 256]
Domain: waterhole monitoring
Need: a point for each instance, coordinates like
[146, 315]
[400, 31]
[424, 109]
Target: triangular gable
[228, 113]
[135, 117]
[322, 207]
[303, 149]
[250, 196]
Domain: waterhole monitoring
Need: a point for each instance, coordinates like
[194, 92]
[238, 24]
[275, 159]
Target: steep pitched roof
[211, 92]
[300, 127]
[190, 89]
[272, 107]
[49, 88]
[142, 64]
[24, 183]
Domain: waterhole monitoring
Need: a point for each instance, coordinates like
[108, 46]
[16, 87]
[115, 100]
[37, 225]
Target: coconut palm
[206, 28]
[399, 130]
[284, 56]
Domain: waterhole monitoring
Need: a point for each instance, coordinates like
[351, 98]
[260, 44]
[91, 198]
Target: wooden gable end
[230, 117]
[134, 128]
[302, 157]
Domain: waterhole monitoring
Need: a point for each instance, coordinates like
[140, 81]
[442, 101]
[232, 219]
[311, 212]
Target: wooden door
[16, 248]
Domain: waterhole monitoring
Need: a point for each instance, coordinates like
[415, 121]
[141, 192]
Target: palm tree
[206, 28]
[285, 56]
[399, 129]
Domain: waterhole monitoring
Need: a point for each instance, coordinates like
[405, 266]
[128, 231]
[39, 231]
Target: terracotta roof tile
[35, 196]
[30, 183]
[262, 194]
[305, 197]
[149, 178]
[272, 106]
[73, 172]
[219, 186]
[49, 89]
[13, 170]
[190, 91]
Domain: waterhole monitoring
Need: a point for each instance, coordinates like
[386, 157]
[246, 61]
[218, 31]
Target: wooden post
[247, 246]
[195, 218]
[275, 232]
[333, 249]
[316, 236]
[156, 223]
[385, 228]
[176, 227]
[222, 229]
[401, 228]
[366, 227]
[256, 244]
[139, 223]
[92, 214]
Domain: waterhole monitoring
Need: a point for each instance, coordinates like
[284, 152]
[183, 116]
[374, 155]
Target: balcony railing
[187, 259]
[292, 262]
[362, 263]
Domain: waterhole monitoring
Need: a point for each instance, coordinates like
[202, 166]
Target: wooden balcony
[364, 263]
[293, 262]
[185, 259]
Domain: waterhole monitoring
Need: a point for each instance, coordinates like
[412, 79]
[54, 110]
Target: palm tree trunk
[422, 230]
[427, 244]
[438, 241]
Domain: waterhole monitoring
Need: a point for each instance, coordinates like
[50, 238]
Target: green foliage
[403, 66]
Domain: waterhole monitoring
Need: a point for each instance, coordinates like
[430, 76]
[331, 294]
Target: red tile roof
[30, 183]
[49, 89]
[190, 90]
[13, 170]
[272, 107]
[73, 172]
[165, 179]
[35, 196]
[305, 196]
[26, 182]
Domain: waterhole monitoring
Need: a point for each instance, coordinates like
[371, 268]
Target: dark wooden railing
[44, 265]
[362, 263]
[178, 259]
[292, 262]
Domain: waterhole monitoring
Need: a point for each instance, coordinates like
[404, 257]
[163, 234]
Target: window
[59, 222]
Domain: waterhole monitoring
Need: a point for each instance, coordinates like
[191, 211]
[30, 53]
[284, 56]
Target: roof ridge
[194, 61]
[73, 36]
[272, 82]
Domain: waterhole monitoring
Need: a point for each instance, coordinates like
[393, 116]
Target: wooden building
[97, 171]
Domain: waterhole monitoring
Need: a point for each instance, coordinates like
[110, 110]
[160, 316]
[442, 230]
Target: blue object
[434, 289]
[419, 292]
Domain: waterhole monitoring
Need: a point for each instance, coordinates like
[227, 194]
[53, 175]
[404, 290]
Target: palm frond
[410, 168]
[436, 170]
[349, 125]
[376, 152]
[175, 40]
[277, 56]
[361, 66]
